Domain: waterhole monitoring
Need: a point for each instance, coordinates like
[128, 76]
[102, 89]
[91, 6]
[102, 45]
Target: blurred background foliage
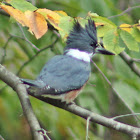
[97, 95]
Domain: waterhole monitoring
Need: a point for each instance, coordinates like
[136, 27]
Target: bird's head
[84, 41]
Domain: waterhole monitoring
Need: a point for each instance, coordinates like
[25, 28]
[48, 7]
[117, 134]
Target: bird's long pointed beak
[103, 51]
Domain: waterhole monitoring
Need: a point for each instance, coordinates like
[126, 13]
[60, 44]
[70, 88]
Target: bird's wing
[63, 74]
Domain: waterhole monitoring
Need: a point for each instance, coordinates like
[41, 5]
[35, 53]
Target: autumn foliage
[37, 19]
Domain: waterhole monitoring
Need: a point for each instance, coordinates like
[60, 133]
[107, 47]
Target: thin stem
[136, 60]
[129, 61]
[126, 115]
[125, 11]
[14, 82]
[136, 118]
[34, 56]
[87, 127]
[26, 38]
[4, 49]
[84, 113]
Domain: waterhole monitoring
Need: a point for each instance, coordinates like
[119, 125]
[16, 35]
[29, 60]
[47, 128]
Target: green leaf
[136, 34]
[66, 23]
[111, 41]
[129, 40]
[104, 21]
[22, 5]
[101, 30]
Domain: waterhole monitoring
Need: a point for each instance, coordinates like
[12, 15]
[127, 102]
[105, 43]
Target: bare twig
[116, 93]
[136, 60]
[4, 50]
[17, 37]
[1, 138]
[125, 11]
[108, 122]
[71, 133]
[44, 133]
[14, 82]
[129, 61]
[126, 115]
[27, 62]
[87, 127]
[26, 38]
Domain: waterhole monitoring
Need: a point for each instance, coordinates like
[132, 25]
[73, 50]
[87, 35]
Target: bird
[64, 76]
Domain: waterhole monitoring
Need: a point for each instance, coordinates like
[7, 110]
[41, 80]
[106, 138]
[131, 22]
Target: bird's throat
[81, 55]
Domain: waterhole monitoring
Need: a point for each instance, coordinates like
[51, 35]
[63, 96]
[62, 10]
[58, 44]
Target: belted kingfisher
[64, 76]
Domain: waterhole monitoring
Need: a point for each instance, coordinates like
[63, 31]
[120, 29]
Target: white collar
[81, 55]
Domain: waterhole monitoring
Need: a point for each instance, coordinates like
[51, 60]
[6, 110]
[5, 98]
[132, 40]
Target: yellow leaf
[92, 14]
[126, 27]
[61, 13]
[8, 1]
[99, 24]
[66, 23]
[17, 14]
[37, 23]
[51, 16]
[137, 26]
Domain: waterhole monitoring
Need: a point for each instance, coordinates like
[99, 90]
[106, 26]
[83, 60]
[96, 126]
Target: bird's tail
[29, 82]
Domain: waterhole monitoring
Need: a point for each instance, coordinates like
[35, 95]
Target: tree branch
[126, 115]
[26, 39]
[84, 113]
[34, 56]
[125, 11]
[129, 61]
[4, 50]
[118, 95]
[14, 82]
